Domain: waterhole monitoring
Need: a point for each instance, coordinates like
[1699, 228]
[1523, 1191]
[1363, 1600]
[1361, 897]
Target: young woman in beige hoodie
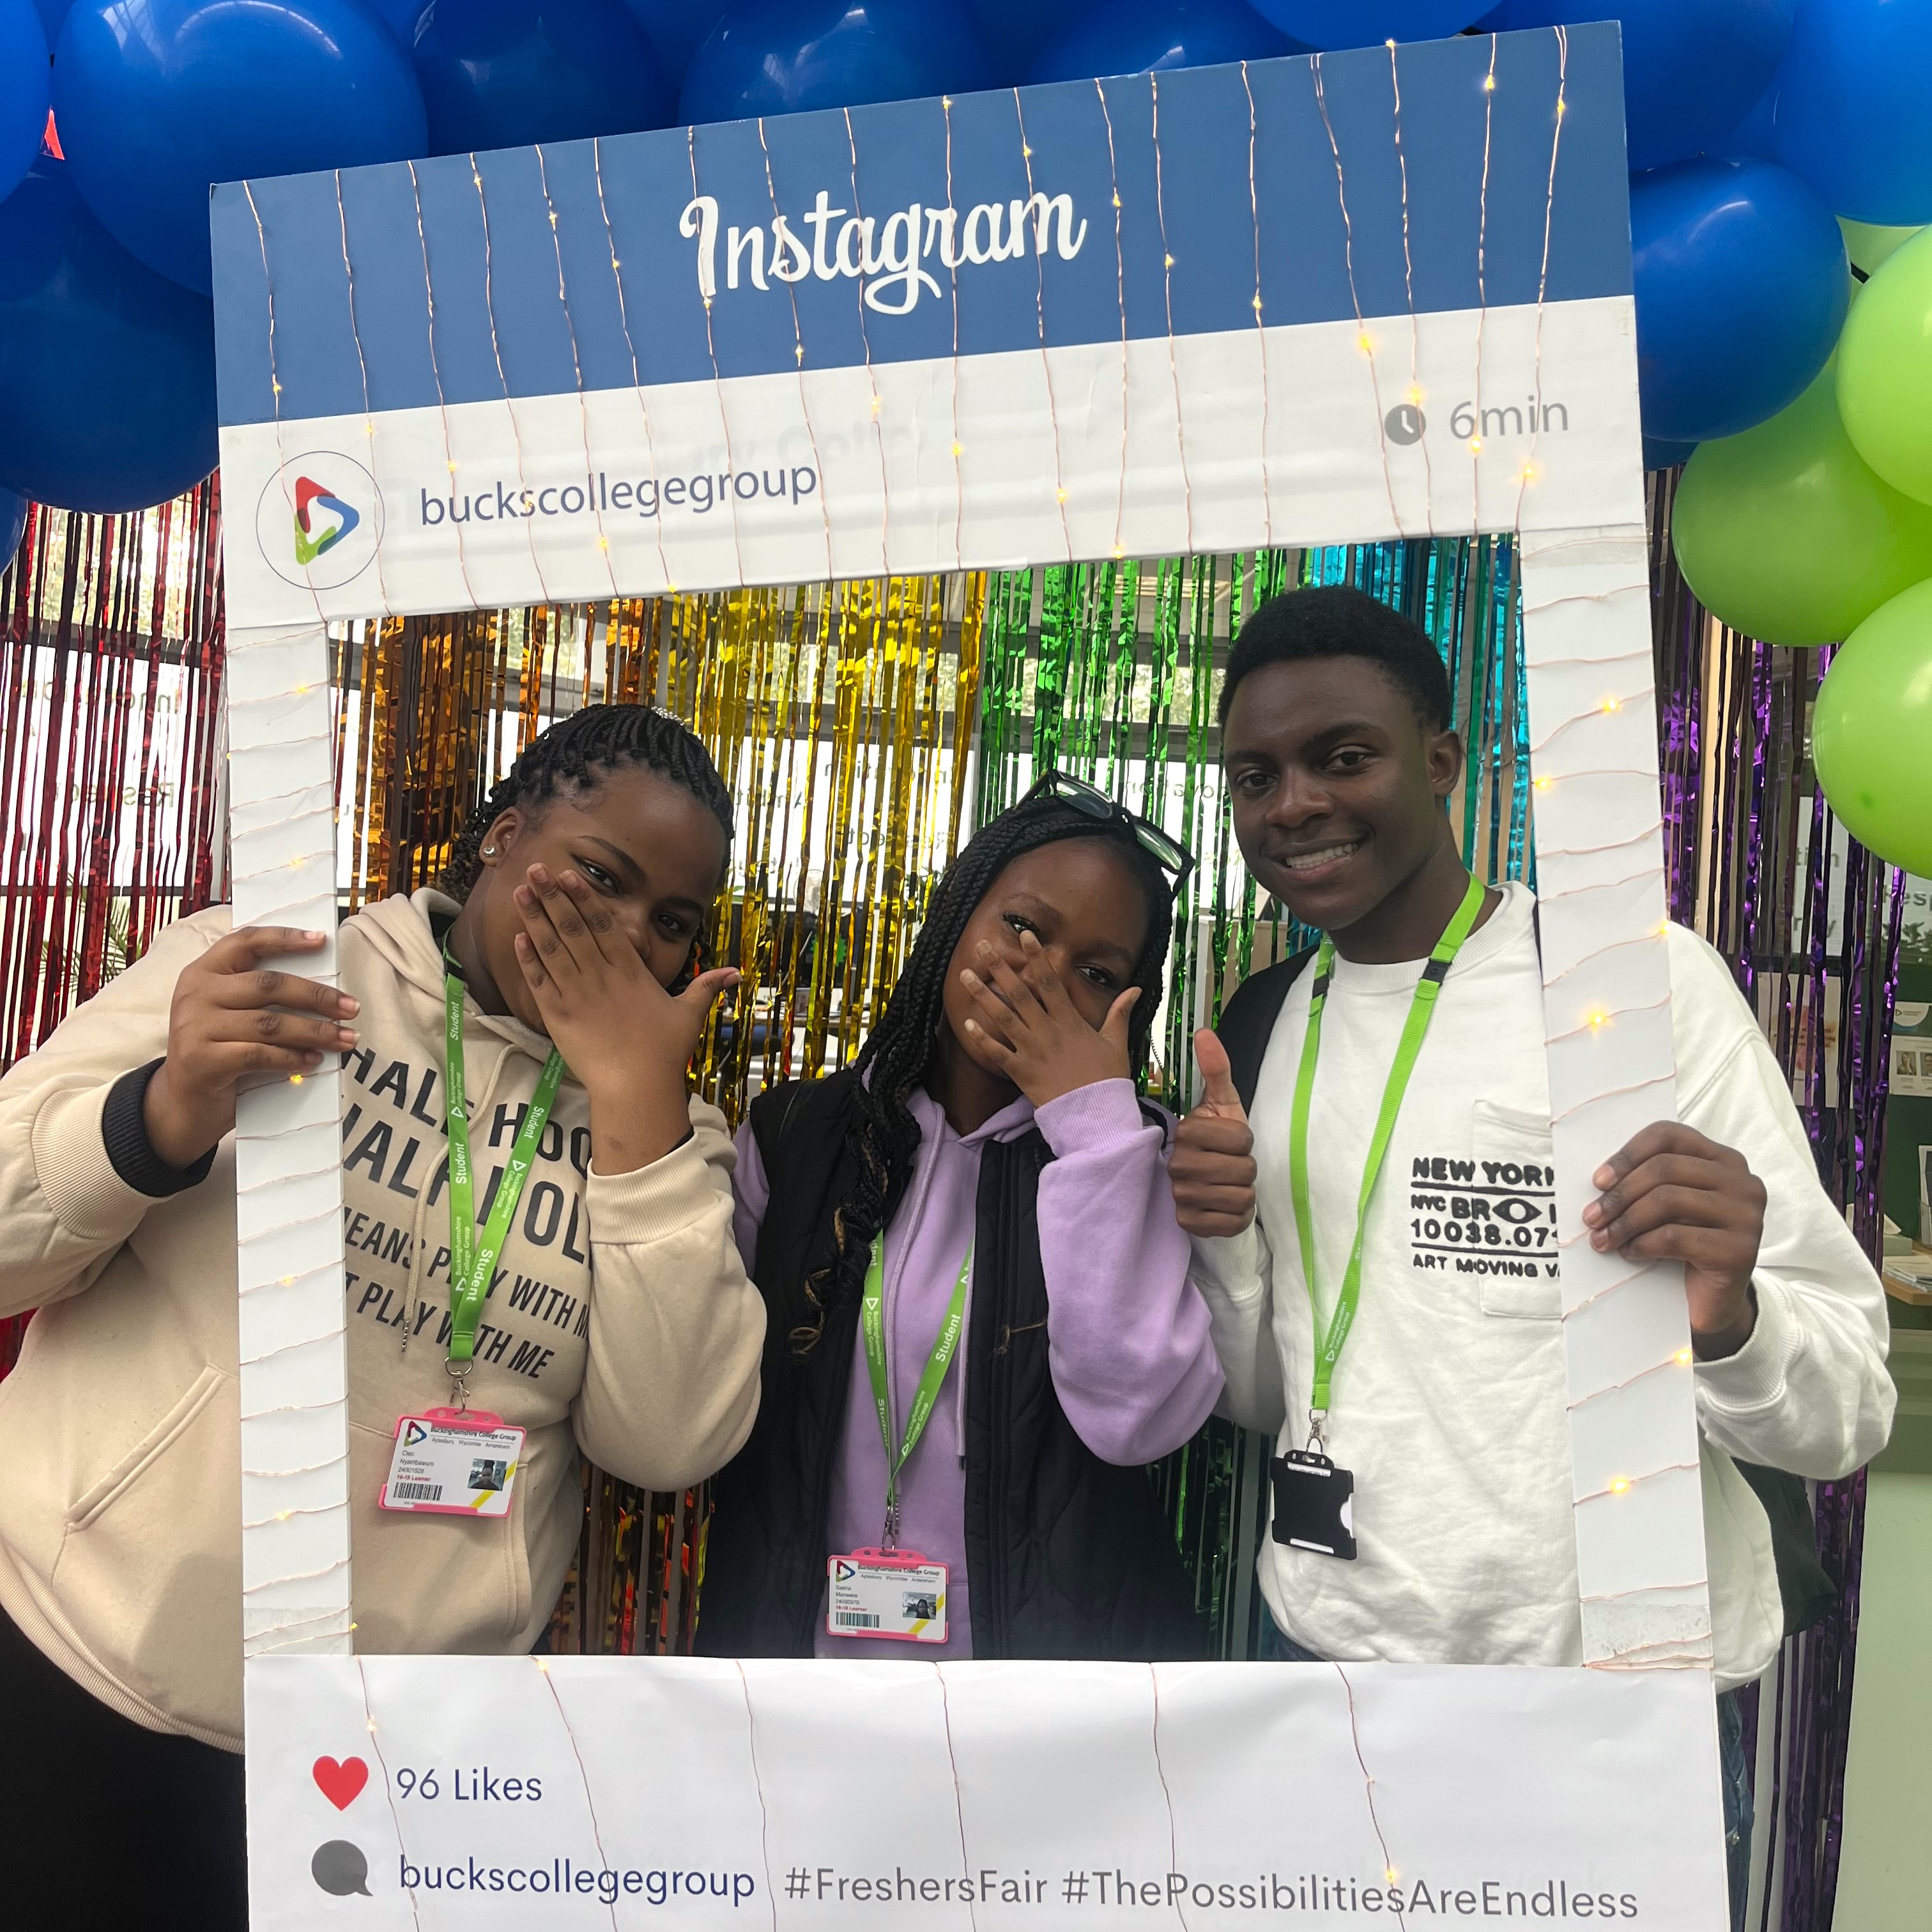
[618, 1320]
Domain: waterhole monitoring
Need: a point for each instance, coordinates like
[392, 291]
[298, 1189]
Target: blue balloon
[504, 73]
[1153, 36]
[52, 13]
[1692, 68]
[13, 510]
[1741, 286]
[1666, 455]
[1367, 23]
[1853, 118]
[783, 56]
[23, 90]
[1755, 135]
[402, 18]
[1013, 32]
[107, 369]
[676, 29]
[156, 99]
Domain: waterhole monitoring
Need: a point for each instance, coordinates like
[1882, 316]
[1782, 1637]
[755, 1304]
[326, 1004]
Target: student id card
[453, 1462]
[887, 1593]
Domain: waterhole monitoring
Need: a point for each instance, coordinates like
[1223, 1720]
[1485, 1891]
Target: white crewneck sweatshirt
[1448, 1402]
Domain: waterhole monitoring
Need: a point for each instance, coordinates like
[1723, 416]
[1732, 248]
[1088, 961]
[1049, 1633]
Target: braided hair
[567, 757]
[882, 1133]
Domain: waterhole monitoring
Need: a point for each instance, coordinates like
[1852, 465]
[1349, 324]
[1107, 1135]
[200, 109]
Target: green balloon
[1786, 536]
[1871, 731]
[1884, 369]
[1869, 247]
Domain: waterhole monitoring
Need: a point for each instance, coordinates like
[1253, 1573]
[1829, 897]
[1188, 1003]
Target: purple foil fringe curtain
[1809, 922]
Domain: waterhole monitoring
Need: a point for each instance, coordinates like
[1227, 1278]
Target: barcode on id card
[855, 1619]
[415, 1493]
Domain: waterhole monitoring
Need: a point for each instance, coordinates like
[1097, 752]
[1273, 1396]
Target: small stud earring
[489, 851]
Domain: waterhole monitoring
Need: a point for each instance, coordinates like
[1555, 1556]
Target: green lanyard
[873, 1314]
[1421, 1009]
[472, 1262]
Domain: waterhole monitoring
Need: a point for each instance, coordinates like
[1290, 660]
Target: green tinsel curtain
[1112, 671]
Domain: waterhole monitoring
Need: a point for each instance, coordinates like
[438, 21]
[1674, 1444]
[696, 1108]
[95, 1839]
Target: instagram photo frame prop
[1346, 297]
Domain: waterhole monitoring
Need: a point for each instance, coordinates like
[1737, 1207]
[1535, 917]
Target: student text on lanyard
[873, 1321]
[1421, 1009]
[471, 1261]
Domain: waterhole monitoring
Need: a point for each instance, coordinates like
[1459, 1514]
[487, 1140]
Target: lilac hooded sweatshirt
[1127, 1341]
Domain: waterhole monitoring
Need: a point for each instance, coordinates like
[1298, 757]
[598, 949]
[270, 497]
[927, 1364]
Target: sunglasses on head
[1166, 853]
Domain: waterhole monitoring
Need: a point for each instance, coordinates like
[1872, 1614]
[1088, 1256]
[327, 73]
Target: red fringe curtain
[110, 753]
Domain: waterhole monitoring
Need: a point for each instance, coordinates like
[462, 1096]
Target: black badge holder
[1311, 1500]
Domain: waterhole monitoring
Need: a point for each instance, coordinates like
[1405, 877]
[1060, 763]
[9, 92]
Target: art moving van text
[595, 495]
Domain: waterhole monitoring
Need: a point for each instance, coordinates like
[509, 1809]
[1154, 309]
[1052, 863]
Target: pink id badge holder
[894, 1594]
[451, 1462]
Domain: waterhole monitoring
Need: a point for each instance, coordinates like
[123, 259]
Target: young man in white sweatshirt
[1340, 759]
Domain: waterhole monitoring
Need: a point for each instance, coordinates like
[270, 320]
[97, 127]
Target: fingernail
[315, 938]
[570, 879]
[347, 1035]
[968, 977]
[972, 1026]
[541, 874]
[346, 1002]
[1603, 1177]
[1592, 1215]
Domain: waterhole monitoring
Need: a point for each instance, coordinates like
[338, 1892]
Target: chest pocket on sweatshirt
[1511, 1216]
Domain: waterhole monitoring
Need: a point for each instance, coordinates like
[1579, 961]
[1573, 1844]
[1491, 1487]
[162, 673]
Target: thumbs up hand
[1212, 1168]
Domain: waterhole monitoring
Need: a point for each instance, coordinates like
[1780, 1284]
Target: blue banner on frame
[1168, 254]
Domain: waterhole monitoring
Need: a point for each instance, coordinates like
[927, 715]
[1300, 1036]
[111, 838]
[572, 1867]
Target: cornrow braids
[882, 1133]
[570, 753]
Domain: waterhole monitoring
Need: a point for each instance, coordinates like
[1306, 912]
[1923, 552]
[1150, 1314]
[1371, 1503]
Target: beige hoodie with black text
[620, 1321]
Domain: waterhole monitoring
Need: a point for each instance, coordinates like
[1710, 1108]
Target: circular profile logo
[319, 520]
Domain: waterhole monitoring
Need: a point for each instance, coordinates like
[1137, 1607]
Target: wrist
[177, 1133]
[637, 1121]
[1716, 1344]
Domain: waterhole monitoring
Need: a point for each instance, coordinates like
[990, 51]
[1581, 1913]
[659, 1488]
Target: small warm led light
[1258, 303]
[1562, 105]
[1027, 152]
[302, 691]
[294, 1080]
[1118, 551]
[288, 1281]
[875, 405]
[543, 1664]
[1618, 1484]
[1613, 704]
[1489, 83]
[1475, 445]
[372, 1722]
[1390, 1875]
[276, 386]
[1061, 494]
[452, 465]
[1529, 472]
[1599, 1019]
[958, 449]
[283, 1516]
[1168, 261]
[1365, 343]
[1415, 392]
[1544, 784]
[1117, 201]
[799, 352]
[603, 543]
[1682, 1357]
[613, 261]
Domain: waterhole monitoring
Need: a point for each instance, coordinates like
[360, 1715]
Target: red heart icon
[341, 1783]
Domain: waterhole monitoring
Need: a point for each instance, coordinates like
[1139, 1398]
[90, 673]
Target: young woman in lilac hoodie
[967, 1246]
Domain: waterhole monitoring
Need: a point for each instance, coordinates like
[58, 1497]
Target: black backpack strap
[1247, 1020]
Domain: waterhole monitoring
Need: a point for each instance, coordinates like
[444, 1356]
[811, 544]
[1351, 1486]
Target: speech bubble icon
[339, 1867]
